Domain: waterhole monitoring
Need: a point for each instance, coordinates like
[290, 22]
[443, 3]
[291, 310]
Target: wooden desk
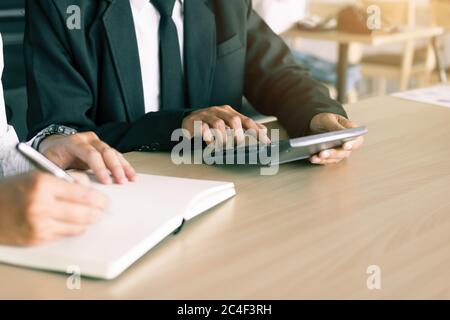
[308, 232]
[344, 41]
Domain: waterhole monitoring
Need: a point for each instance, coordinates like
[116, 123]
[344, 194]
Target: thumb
[333, 124]
[347, 124]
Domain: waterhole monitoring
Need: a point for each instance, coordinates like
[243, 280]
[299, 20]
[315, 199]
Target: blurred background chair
[414, 62]
[323, 67]
[319, 57]
[440, 10]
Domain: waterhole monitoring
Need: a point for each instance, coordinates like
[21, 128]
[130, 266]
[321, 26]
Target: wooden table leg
[342, 69]
[439, 60]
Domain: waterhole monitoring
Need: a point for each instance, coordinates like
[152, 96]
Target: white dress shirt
[11, 163]
[146, 22]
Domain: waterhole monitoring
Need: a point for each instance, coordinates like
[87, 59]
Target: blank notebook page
[141, 215]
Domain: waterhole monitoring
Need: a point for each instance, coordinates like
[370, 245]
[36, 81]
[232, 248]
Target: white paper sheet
[437, 95]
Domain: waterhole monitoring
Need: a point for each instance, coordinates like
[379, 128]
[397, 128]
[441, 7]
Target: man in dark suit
[133, 71]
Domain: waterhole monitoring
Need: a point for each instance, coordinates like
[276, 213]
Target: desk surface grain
[308, 232]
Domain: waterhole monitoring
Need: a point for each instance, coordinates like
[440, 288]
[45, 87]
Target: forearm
[277, 85]
[152, 132]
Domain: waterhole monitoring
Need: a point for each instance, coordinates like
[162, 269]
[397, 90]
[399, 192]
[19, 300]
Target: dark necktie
[172, 79]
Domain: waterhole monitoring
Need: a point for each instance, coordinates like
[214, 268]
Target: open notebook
[140, 216]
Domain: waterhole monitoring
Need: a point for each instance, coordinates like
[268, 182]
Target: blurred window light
[280, 15]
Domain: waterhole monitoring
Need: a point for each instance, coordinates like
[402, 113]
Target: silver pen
[42, 163]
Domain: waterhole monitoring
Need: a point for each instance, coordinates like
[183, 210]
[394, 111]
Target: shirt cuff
[11, 162]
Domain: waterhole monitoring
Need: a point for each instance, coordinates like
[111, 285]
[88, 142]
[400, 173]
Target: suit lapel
[200, 51]
[121, 36]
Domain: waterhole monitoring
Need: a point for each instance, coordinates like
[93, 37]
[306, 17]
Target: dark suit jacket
[90, 79]
[8, 114]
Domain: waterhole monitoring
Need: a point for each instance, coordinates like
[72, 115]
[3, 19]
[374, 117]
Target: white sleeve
[11, 162]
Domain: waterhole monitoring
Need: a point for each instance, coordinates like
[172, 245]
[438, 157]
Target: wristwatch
[52, 130]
